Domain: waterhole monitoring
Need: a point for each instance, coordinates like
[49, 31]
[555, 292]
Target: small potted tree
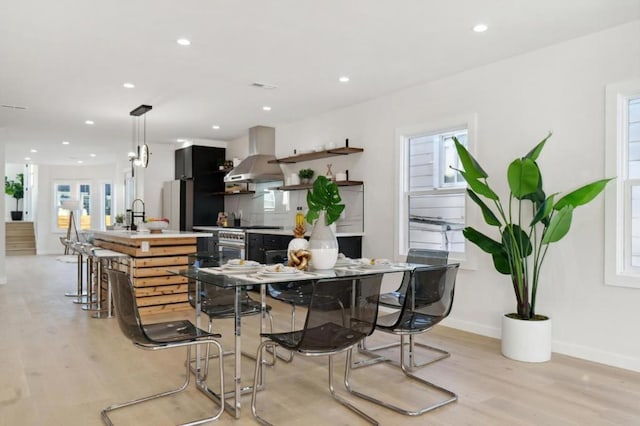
[525, 224]
[15, 189]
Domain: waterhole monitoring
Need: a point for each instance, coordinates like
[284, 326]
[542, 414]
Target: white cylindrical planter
[528, 341]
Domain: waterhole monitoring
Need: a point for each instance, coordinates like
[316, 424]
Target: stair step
[20, 238]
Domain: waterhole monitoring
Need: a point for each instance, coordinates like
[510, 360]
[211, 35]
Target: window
[106, 205]
[432, 206]
[64, 191]
[622, 220]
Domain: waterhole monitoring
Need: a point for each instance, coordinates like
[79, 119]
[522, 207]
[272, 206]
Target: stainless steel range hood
[256, 168]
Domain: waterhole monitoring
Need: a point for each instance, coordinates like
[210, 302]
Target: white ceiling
[66, 61]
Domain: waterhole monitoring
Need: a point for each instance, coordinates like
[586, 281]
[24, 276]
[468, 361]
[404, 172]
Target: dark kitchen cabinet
[199, 164]
[258, 244]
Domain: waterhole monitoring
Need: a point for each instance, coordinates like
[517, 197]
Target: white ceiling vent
[263, 85]
[18, 107]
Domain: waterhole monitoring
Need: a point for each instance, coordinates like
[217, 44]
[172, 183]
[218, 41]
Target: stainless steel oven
[231, 243]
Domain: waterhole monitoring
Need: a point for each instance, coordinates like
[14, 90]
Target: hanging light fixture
[139, 155]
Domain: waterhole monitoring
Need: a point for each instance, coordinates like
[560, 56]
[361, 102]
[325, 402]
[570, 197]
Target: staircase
[20, 238]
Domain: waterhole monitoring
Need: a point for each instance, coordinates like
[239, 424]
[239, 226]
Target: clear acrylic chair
[217, 302]
[158, 336]
[428, 300]
[295, 293]
[342, 311]
[395, 300]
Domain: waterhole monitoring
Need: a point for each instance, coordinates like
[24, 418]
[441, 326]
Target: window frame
[617, 257]
[436, 126]
[74, 186]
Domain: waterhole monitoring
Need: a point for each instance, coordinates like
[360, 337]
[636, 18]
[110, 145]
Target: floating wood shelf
[319, 154]
[310, 185]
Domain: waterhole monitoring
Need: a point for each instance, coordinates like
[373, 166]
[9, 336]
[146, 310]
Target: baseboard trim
[577, 351]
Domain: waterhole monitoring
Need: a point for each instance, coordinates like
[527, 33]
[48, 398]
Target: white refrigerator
[177, 204]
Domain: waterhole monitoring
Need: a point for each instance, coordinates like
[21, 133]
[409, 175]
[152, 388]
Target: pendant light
[139, 155]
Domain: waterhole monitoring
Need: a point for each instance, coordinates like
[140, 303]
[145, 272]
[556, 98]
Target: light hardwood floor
[58, 366]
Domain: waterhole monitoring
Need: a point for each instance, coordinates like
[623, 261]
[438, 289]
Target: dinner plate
[375, 266]
[283, 270]
[345, 262]
[248, 264]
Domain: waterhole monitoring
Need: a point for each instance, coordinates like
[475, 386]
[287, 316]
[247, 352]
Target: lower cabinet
[258, 244]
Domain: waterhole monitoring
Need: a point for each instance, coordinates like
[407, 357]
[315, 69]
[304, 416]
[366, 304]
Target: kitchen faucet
[134, 214]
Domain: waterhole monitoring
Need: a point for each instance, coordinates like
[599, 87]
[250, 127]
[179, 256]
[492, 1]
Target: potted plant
[15, 188]
[306, 175]
[526, 225]
[325, 207]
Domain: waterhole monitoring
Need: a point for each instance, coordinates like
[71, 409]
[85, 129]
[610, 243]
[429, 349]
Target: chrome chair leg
[105, 411]
[342, 400]
[451, 396]
[258, 375]
[411, 366]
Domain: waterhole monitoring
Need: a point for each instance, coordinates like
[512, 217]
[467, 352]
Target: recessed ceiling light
[480, 28]
[65, 142]
[266, 108]
[128, 85]
[183, 42]
[181, 140]
[89, 122]
[344, 79]
[215, 127]
[80, 161]
[33, 151]
[27, 158]
[92, 155]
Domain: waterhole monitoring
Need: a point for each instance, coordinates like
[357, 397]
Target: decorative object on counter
[156, 225]
[298, 249]
[329, 173]
[222, 219]
[325, 206]
[237, 218]
[306, 175]
[15, 189]
[527, 225]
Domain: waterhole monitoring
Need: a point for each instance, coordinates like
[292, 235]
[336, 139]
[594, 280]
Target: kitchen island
[150, 256]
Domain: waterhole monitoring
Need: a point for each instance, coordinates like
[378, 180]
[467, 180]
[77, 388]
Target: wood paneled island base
[151, 255]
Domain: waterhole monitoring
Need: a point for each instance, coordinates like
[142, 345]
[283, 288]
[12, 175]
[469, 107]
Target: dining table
[239, 279]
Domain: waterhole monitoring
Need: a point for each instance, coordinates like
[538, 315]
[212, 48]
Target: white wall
[3, 231]
[560, 88]
[47, 237]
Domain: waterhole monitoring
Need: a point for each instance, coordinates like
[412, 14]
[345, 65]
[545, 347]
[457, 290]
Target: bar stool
[82, 296]
[87, 252]
[104, 258]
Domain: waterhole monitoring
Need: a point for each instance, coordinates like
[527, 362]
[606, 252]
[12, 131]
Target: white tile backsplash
[278, 208]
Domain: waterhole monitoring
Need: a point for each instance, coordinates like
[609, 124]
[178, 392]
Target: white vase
[525, 340]
[323, 244]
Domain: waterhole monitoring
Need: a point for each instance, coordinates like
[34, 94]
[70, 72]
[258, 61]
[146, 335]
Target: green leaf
[488, 215]
[544, 210]
[479, 187]
[471, 167]
[535, 152]
[516, 242]
[501, 263]
[524, 177]
[559, 226]
[485, 243]
[324, 195]
[582, 195]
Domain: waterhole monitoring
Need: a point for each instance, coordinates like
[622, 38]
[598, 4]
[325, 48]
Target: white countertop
[288, 231]
[146, 234]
